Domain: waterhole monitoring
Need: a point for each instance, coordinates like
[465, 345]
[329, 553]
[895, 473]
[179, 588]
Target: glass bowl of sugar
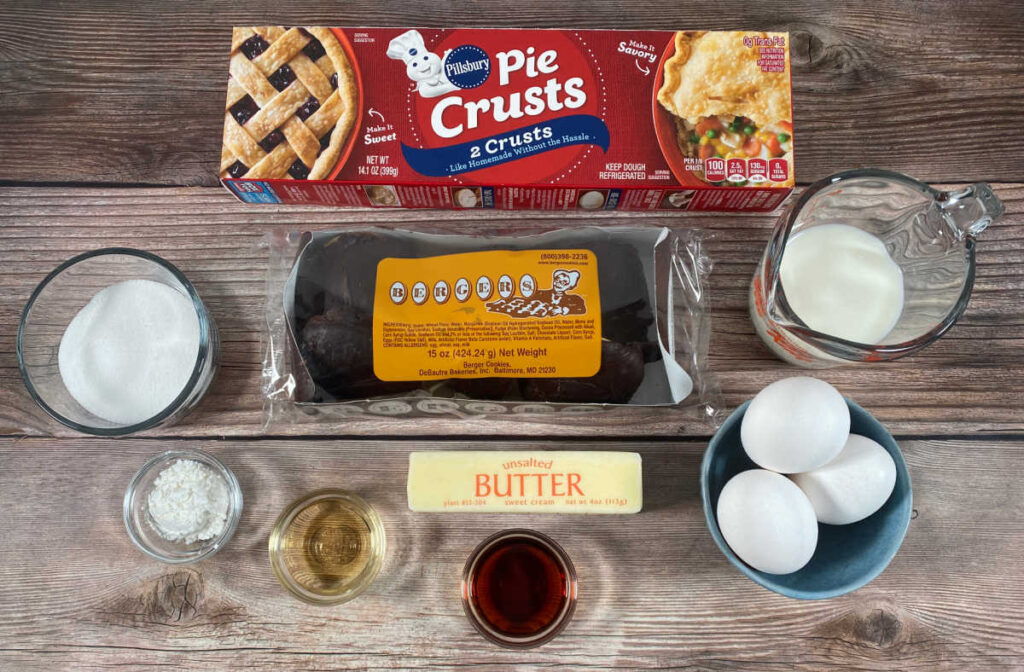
[182, 506]
[116, 341]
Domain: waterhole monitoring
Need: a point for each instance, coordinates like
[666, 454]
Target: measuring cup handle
[970, 210]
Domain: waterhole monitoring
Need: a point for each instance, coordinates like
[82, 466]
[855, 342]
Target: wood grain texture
[115, 92]
[655, 592]
[128, 96]
[971, 380]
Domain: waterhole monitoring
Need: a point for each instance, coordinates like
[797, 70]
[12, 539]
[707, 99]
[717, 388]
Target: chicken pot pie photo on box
[729, 95]
[291, 106]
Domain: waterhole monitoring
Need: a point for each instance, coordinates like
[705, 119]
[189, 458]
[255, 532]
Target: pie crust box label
[509, 119]
[492, 314]
[534, 481]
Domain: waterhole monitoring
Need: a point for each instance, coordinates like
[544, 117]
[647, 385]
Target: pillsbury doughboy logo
[422, 66]
[464, 67]
[467, 66]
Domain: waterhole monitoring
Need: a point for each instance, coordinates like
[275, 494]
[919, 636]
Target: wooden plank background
[655, 592]
[114, 92]
[109, 132]
[971, 380]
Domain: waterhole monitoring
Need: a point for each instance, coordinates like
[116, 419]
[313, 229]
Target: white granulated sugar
[188, 502]
[130, 351]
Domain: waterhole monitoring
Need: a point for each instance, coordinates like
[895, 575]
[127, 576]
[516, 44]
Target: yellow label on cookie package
[493, 314]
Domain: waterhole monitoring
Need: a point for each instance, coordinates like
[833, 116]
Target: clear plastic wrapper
[347, 333]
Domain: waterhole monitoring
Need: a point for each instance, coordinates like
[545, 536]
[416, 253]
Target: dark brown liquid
[519, 587]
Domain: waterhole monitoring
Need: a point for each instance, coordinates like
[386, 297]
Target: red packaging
[509, 119]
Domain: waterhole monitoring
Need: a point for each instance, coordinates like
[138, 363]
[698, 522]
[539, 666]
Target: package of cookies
[394, 322]
[509, 119]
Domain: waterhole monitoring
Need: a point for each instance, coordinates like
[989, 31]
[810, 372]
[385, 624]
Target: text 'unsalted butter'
[525, 482]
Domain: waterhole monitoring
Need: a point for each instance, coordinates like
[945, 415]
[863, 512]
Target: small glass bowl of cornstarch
[182, 506]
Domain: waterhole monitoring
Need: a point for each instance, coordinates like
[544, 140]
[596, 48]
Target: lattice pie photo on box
[292, 102]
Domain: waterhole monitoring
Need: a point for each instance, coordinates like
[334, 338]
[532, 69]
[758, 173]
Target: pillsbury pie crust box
[509, 119]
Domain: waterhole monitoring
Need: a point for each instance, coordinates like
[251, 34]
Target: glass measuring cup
[929, 234]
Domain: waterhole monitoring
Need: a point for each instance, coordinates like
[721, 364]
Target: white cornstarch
[130, 351]
[188, 502]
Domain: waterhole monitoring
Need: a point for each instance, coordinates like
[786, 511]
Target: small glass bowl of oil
[327, 547]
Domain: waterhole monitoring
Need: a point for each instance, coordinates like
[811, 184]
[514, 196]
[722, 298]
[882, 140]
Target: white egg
[853, 486]
[767, 521]
[795, 424]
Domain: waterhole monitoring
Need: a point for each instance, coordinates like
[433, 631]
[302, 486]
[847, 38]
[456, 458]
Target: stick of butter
[537, 481]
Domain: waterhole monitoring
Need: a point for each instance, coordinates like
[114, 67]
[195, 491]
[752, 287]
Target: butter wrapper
[525, 482]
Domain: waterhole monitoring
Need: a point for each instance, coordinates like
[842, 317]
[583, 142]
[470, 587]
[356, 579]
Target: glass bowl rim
[235, 500]
[201, 356]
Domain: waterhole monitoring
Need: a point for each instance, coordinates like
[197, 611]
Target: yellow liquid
[326, 546]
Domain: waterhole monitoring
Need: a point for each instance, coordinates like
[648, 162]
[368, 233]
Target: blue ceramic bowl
[847, 556]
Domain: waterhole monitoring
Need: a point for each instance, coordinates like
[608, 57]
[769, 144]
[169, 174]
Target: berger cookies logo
[553, 302]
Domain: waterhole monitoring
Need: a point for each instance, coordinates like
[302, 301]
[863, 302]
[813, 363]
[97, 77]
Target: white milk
[841, 281]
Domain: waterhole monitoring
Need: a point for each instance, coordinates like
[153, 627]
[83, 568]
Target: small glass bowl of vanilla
[327, 547]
